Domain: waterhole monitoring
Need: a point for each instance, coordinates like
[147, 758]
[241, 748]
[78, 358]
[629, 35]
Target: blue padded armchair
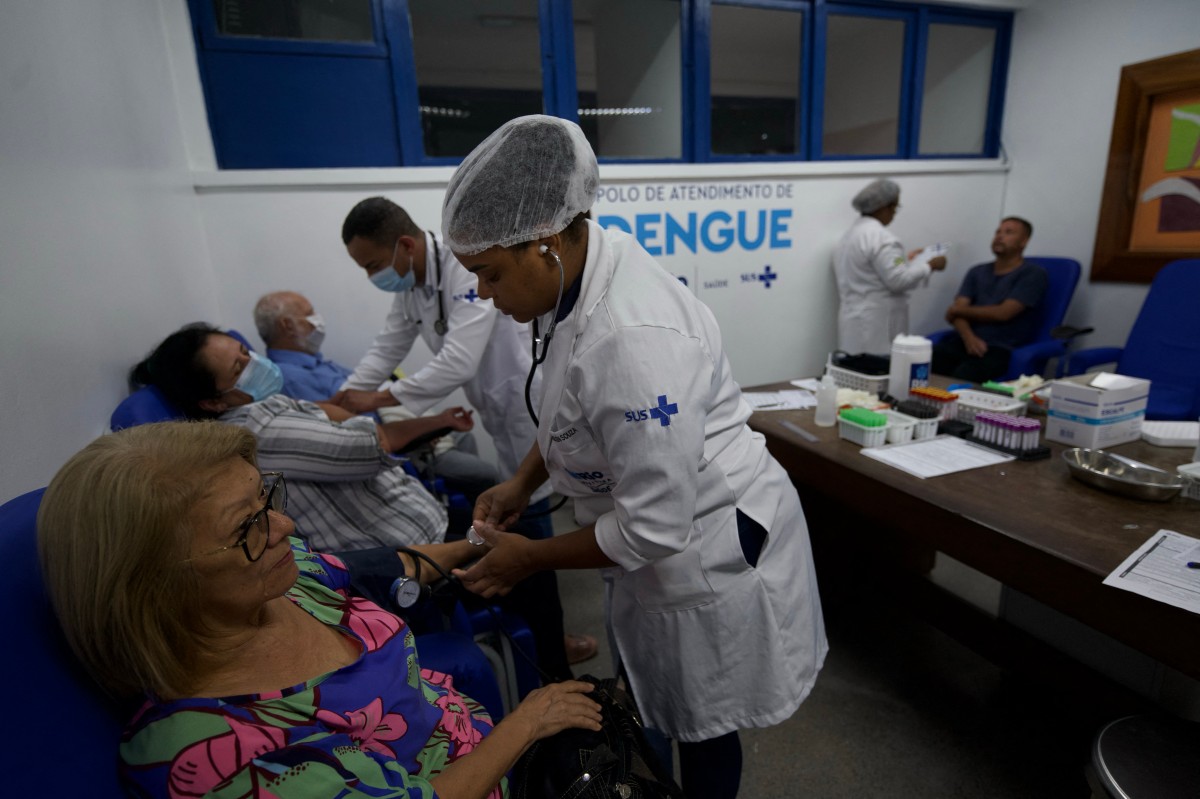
[64, 729]
[1063, 274]
[1163, 346]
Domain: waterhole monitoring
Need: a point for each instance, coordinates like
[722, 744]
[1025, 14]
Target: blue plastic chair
[1163, 346]
[50, 696]
[1031, 359]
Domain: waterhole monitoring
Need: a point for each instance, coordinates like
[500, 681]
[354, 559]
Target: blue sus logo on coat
[663, 412]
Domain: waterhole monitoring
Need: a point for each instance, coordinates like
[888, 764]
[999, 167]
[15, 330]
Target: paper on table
[779, 400]
[1158, 570]
[936, 456]
[807, 383]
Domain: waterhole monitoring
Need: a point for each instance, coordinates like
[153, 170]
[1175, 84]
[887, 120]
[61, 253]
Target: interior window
[755, 80]
[863, 68]
[478, 65]
[957, 85]
[311, 20]
[629, 77]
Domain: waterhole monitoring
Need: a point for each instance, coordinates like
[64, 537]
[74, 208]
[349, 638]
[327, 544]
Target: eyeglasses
[256, 532]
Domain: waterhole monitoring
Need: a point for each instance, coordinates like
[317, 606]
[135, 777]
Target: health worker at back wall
[712, 596]
[874, 275]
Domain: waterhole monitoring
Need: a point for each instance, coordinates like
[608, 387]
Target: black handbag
[614, 763]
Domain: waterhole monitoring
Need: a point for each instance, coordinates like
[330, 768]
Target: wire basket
[861, 434]
[845, 378]
[971, 402]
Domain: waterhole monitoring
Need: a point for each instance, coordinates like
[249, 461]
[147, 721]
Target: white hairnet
[527, 180]
[878, 194]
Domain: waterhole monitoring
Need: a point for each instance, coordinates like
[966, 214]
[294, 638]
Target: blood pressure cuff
[372, 572]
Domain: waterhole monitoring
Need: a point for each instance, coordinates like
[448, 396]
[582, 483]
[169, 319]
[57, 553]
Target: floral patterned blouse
[380, 727]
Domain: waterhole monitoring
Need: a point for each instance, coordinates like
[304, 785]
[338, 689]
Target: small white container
[862, 435]
[1191, 479]
[909, 365]
[971, 402]
[922, 428]
[899, 427]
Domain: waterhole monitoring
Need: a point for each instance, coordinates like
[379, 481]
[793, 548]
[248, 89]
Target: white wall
[100, 240]
[1066, 59]
[109, 240]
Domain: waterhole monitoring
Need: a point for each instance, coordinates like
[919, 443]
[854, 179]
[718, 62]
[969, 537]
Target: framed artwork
[1150, 208]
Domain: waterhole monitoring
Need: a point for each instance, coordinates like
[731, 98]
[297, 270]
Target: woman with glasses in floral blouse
[174, 575]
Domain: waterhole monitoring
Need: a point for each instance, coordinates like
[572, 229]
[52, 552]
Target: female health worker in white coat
[874, 275]
[711, 592]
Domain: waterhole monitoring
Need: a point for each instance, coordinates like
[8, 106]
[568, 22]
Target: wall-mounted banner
[683, 225]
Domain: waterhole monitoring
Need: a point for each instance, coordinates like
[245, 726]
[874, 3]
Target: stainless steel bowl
[1121, 475]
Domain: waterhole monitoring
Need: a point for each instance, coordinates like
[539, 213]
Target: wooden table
[1028, 524]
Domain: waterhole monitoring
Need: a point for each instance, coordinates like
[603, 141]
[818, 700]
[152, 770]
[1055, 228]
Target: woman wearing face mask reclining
[169, 564]
[348, 491]
[713, 600]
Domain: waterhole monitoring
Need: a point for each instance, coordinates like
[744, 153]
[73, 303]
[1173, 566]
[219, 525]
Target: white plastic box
[862, 435]
[1097, 410]
[971, 402]
[900, 427]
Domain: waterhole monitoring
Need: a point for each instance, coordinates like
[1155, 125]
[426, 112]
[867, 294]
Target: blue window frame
[295, 102]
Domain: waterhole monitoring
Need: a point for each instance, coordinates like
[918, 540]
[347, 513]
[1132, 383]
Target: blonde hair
[113, 535]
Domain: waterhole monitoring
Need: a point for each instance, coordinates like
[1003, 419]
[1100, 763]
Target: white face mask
[316, 337]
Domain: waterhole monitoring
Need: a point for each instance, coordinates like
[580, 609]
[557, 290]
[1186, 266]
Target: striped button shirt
[344, 491]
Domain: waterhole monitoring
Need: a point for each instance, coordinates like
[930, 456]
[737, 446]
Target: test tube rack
[1012, 435]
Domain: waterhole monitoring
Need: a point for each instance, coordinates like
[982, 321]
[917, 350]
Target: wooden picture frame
[1117, 256]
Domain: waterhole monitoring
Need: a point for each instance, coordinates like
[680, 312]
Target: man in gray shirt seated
[994, 309]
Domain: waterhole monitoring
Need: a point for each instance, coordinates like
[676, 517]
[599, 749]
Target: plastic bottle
[826, 402]
[910, 364]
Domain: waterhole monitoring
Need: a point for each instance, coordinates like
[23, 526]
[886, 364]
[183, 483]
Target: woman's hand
[508, 561]
[500, 506]
[557, 707]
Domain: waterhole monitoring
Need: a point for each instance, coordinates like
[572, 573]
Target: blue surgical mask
[260, 379]
[388, 280]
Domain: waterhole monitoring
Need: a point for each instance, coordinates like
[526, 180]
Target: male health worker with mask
[712, 596]
[473, 346]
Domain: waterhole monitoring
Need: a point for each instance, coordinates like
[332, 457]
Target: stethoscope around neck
[543, 341]
[440, 327]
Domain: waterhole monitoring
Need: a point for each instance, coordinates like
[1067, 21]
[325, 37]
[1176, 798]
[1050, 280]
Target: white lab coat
[874, 280]
[642, 423]
[484, 351]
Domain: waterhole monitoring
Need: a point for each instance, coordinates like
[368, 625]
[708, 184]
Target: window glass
[629, 77]
[478, 65]
[313, 20]
[958, 77]
[755, 69]
[864, 57]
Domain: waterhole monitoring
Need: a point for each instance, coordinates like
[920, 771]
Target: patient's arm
[449, 555]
